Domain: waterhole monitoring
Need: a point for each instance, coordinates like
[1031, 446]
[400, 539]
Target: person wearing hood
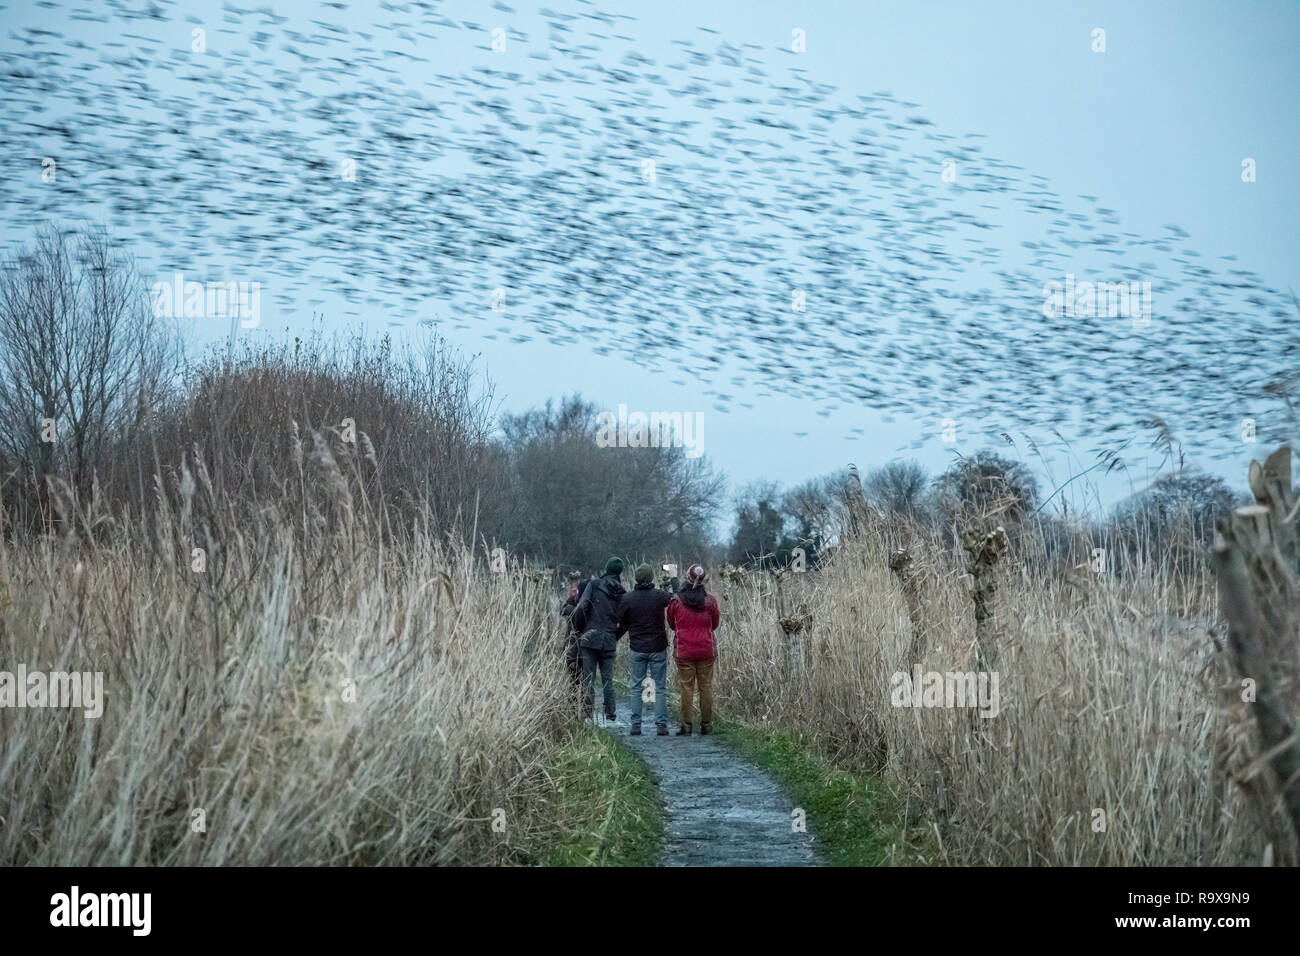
[693, 616]
[641, 614]
[595, 618]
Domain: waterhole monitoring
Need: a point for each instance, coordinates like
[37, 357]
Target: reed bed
[292, 680]
[1116, 741]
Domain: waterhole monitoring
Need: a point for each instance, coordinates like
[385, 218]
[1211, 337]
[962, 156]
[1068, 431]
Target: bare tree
[898, 488]
[817, 507]
[576, 502]
[82, 356]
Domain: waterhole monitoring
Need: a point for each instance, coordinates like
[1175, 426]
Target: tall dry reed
[1111, 745]
[288, 680]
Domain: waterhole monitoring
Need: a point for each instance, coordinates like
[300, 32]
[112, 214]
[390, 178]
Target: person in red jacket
[693, 616]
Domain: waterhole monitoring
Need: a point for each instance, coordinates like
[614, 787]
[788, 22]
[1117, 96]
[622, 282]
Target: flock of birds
[720, 213]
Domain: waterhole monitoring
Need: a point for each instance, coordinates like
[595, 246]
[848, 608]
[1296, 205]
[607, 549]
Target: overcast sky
[1157, 126]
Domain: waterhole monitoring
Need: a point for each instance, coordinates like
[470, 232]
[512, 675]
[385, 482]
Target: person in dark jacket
[693, 616]
[641, 614]
[596, 619]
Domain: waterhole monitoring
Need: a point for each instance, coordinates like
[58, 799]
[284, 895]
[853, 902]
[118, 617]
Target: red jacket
[693, 629]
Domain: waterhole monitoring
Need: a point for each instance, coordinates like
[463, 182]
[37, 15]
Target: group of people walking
[601, 611]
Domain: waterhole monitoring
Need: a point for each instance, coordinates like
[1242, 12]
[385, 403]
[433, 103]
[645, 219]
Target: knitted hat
[695, 576]
[614, 566]
[644, 574]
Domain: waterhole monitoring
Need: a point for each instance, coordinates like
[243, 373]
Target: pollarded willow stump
[909, 579]
[793, 625]
[1255, 554]
[985, 549]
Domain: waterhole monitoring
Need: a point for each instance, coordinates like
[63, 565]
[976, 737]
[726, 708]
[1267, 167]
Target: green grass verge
[856, 818]
[606, 808]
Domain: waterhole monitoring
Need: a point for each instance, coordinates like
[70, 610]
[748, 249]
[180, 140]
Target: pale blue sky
[1156, 127]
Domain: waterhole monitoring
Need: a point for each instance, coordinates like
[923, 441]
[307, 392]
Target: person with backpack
[693, 616]
[641, 615]
[595, 618]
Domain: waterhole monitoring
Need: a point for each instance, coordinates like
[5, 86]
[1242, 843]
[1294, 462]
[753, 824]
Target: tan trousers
[690, 673]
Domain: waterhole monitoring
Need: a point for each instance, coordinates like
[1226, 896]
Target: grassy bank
[856, 818]
[604, 810]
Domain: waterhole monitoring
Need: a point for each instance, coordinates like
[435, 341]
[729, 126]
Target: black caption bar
[137, 907]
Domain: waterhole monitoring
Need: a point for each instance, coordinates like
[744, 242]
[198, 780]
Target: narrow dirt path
[721, 810]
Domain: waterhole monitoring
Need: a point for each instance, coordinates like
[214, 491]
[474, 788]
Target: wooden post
[984, 549]
[900, 562]
[1254, 558]
[792, 625]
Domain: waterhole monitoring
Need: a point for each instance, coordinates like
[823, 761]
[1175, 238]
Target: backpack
[578, 616]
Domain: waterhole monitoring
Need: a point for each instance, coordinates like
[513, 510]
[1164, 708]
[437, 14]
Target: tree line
[101, 409]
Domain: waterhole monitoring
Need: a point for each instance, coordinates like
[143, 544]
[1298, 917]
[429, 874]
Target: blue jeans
[656, 662]
[591, 659]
